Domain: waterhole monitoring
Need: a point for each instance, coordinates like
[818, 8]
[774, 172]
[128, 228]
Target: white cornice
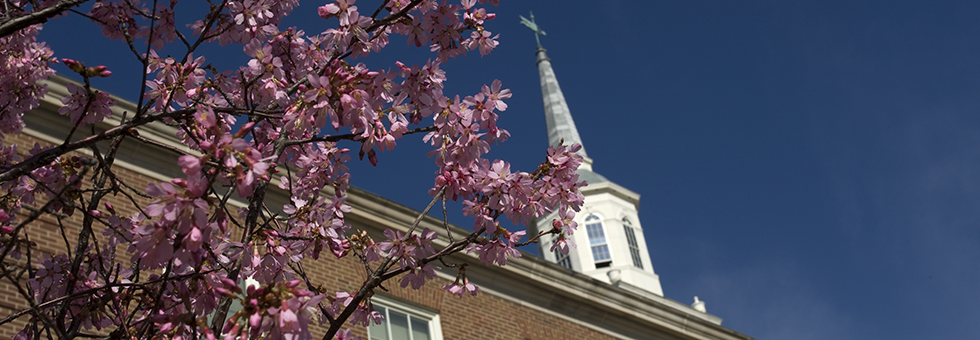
[614, 189]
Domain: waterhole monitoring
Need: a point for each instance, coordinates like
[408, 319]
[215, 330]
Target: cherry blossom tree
[287, 118]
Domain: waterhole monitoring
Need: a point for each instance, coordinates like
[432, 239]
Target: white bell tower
[609, 242]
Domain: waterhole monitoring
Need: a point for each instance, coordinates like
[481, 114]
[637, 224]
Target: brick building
[530, 298]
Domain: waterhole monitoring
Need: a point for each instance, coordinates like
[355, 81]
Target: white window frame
[408, 308]
[597, 220]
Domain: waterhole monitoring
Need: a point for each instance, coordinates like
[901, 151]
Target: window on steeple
[634, 246]
[597, 239]
[564, 260]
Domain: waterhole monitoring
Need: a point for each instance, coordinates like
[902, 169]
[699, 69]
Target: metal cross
[533, 26]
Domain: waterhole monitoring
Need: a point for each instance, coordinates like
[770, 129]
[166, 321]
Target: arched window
[634, 246]
[597, 239]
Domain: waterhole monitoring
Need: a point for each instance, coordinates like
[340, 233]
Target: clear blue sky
[811, 169]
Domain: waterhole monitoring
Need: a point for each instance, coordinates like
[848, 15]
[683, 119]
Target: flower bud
[73, 65]
[244, 130]
[223, 291]
[229, 325]
[232, 333]
[179, 182]
[98, 71]
[167, 327]
[228, 282]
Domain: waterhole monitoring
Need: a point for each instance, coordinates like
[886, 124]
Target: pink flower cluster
[178, 226]
[56, 179]
[293, 110]
[53, 280]
[86, 108]
[246, 20]
[364, 313]
[240, 162]
[461, 285]
[23, 63]
[118, 19]
[440, 27]
[176, 83]
[275, 311]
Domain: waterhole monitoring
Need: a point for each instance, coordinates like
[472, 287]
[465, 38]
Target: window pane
[420, 329]
[403, 324]
[596, 235]
[399, 325]
[565, 261]
[379, 332]
[635, 253]
[631, 237]
[600, 253]
[634, 247]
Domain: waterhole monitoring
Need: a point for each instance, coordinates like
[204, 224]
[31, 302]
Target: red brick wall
[46, 231]
[481, 317]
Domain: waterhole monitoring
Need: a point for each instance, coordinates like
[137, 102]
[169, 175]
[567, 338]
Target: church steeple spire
[558, 118]
[611, 242]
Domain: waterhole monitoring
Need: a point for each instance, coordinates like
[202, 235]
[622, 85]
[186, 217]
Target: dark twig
[445, 218]
[13, 25]
[349, 136]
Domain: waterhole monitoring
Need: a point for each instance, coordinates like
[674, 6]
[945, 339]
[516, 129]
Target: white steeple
[561, 127]
[610, 242]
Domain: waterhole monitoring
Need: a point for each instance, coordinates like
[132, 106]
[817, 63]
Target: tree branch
[349, 136]
[47, 156]
[16, 24]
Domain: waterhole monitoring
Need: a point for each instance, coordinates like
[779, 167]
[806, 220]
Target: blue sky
[811, 169]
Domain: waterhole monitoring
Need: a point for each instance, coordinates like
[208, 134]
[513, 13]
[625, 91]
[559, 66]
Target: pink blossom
[190, 164]
[418, 277]
[346, 335]
[483, 41]
[562, 244]
[565, 223]
[288, 322]
[461, 286]
[85, 108]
